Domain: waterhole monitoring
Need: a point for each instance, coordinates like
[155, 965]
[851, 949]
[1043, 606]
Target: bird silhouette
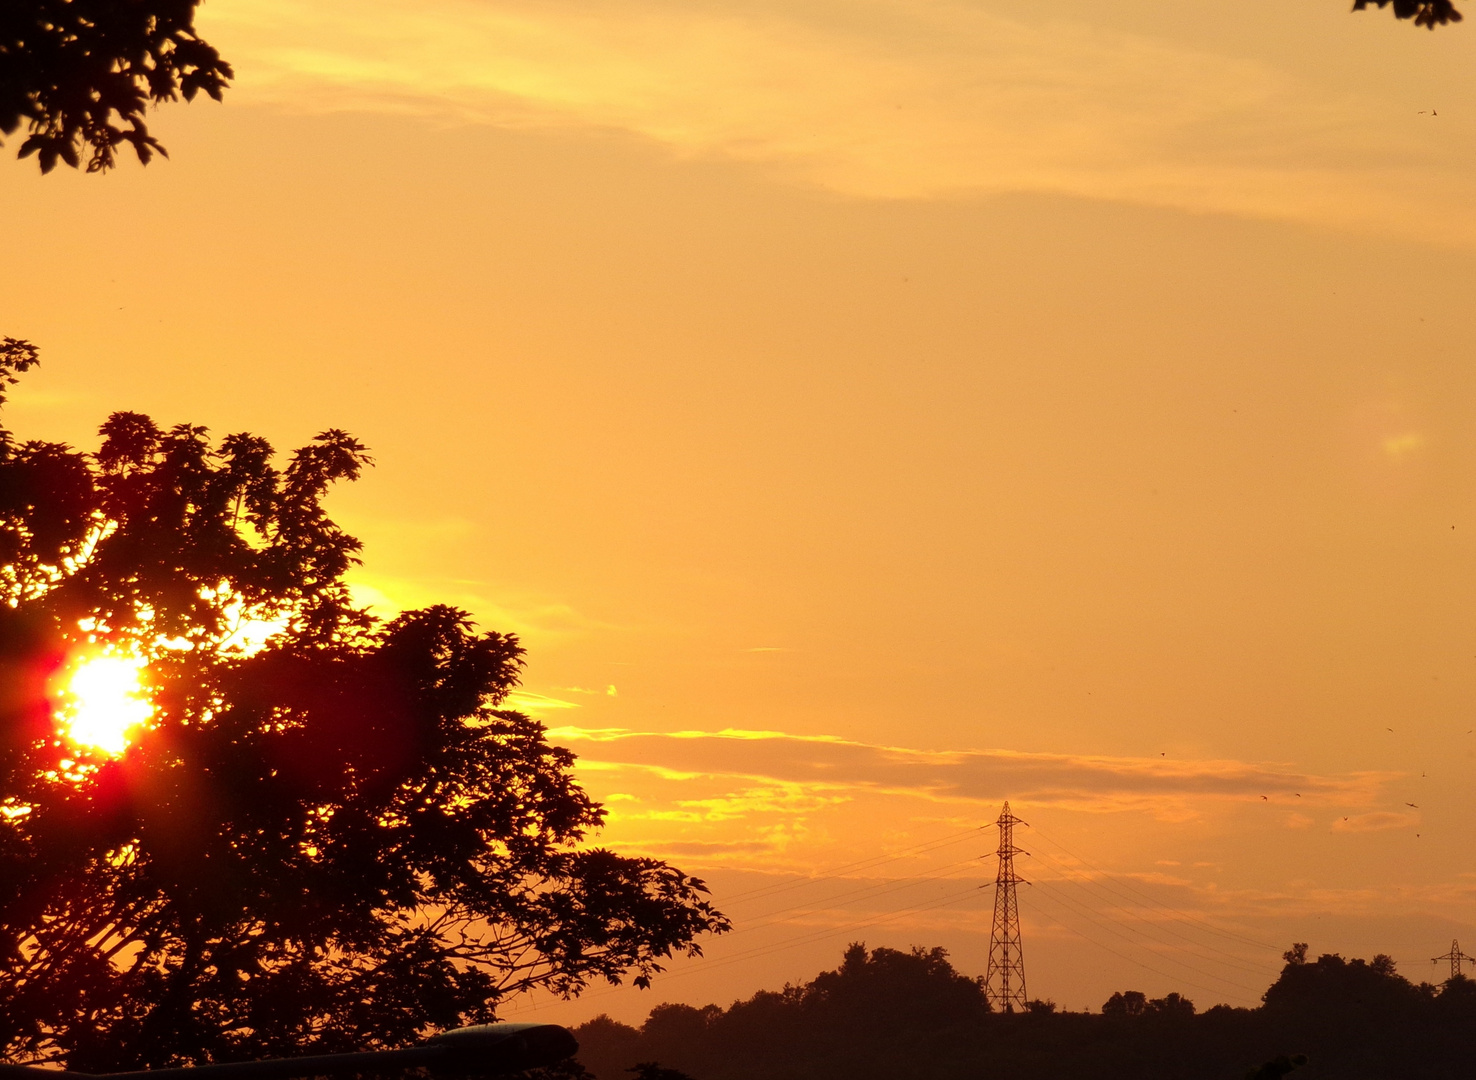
[1265, 797]
[1411, 806]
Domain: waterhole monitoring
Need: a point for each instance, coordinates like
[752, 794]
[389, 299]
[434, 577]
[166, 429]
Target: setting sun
[104, 703]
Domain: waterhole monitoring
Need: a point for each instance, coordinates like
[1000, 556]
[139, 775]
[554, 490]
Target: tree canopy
[328, 834]
[81, 74]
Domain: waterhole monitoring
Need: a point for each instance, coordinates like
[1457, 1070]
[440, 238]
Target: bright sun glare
[105, 703]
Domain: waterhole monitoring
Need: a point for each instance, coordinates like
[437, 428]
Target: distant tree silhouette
[1132, 1003]
[919, 988]
[873, 1013]
[81, 73]
[1342, 990]
[851, 1030]
[1126, 1003]
[1173, 1005]
[338, 840]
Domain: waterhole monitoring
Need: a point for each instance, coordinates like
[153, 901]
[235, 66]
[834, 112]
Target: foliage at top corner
[80, 74]
[330, 837]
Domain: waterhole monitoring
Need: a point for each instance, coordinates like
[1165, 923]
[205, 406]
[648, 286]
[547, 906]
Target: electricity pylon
[1004, 979]
[1456, 958]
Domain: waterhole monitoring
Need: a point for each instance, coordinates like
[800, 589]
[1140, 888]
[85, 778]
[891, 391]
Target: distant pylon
[1456, 958]
[1004, 979]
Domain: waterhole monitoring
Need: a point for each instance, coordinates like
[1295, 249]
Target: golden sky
[868, 411]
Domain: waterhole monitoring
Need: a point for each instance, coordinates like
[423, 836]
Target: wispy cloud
[529, 702]
[837, 767]
[876, 99]
[536, 621]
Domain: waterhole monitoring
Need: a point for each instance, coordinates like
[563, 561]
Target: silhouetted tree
[1126, 1003]
[81, 73]
[1171, 1005]
[917, 989]
[1344, 991]
[336, 839]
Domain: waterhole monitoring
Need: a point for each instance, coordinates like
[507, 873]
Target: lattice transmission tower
[1456, 958]
[1004, 979]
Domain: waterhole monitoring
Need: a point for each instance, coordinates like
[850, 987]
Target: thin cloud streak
[837, 766]
[881, 99]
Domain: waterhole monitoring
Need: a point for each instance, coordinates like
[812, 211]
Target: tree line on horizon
[885, 1013]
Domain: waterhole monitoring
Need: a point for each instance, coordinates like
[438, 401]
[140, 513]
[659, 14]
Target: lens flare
[104, 703]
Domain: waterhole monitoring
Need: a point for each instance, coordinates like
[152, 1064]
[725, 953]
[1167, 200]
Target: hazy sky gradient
[867, 412]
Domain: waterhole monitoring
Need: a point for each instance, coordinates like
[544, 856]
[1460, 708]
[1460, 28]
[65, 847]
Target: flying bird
[1411, 805]
[1265, 797]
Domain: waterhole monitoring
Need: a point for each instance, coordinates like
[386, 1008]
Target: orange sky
[867, 412]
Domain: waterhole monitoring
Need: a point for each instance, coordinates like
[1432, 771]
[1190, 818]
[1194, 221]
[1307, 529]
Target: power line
[803, 939]
[881, 888]
[1121, 932]
[861, 864]
[819, 935]
[1184, 915]
[1087, 883]
[1125, 956]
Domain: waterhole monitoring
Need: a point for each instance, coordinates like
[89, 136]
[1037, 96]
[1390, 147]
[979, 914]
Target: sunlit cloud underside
[1076, 780]
[877, 99]
[697, 787]
[774, 803]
